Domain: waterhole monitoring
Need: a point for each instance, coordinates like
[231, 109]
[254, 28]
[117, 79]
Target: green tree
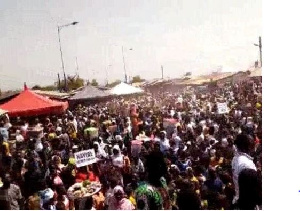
[137, 79]
[188, 74]
[45, 88]
[36, 87]
[94, 82]
[73, 82]
[116, 82]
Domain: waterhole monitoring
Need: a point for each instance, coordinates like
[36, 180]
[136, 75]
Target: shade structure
[89, 93]
[125, 89]
[28, 103]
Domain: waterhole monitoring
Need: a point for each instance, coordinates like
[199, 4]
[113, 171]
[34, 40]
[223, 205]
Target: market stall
[125, 89]
[28, 103]
[88, 94]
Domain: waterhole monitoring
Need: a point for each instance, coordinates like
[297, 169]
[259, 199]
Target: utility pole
[124, 65]
[61, 54]
[77, 65]
[126, 77]
[58, 81]
[107, 69]
[260, 50]
[61, 57]
[162, 72]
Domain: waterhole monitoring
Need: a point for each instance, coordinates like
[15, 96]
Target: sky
[197, 36]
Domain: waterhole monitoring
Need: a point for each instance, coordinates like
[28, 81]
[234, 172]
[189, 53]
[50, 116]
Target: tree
[45, 88]
[137, 79]
[188, 74]
[94, 82]
[116, 82]
[36, 87]
[73, 83]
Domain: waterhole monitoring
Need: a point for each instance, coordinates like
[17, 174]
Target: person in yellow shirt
[190, 174]
[71, 130]
[193, 179]
[130, 195]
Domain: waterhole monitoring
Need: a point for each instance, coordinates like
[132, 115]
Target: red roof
[28, 103]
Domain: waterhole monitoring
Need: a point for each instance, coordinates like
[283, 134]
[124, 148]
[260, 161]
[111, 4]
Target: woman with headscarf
[57, 163]
[118, 201]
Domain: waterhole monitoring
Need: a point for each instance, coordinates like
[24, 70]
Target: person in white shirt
[177, 140]
[38, 145]
[164, 142]
[100, 152]
[241, 161]
[117, 158]
[75, 123]
[19, 137]
[24, 128]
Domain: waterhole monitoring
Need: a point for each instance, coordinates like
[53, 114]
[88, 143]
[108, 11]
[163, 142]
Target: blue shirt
[214, 185]
[4, 133]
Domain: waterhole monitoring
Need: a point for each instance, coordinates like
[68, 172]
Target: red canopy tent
[28, 103]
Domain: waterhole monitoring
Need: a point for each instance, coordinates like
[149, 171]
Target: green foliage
[188, 74]
[94, 82]
[114, 83]
[45, 88]
[137, 79]
[73, 82]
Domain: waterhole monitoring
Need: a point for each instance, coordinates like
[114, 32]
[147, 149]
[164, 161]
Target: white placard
[85, 157]
[222, 108]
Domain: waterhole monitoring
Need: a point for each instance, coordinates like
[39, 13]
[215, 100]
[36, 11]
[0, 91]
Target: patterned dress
[148, 197]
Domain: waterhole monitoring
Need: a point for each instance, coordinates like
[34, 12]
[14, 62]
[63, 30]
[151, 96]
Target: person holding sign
[222, 108]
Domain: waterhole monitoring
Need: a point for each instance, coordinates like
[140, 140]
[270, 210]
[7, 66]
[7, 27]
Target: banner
[85, 157]
[222, 108]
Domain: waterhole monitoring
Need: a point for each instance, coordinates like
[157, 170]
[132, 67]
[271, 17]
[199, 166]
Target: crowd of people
[189, 155]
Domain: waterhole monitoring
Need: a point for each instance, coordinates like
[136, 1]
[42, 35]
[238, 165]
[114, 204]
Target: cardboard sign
[85, 157]
[222, 108]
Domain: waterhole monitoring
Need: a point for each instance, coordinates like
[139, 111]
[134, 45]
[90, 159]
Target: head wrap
[118, 138]
[71, 161]
[118, 188]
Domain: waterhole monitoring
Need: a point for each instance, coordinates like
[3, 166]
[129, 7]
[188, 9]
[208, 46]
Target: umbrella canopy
[28, 103]
[89, 92]
[125, 89]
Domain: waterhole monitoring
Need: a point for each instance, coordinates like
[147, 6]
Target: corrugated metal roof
[90, 92]
[51, 93]
[206, 78]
